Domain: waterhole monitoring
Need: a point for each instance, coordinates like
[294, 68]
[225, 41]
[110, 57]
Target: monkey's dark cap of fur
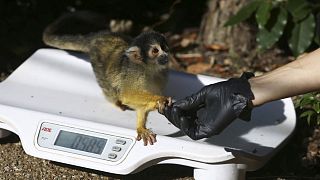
[144, 40]
[147, 38]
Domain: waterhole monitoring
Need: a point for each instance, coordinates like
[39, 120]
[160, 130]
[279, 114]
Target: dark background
[23, 21]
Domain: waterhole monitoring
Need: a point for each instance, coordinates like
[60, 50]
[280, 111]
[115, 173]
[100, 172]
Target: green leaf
[304, 102]
[309, 96]
[307, 114]
[263, 13]
[316, 107]
[302, 35]
[306, 99]
[299, 9]
[267, 38]
[309, 119]
[243, 14]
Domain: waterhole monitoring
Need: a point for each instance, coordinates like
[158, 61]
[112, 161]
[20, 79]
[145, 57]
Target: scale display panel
[80, 142]
[83, 142]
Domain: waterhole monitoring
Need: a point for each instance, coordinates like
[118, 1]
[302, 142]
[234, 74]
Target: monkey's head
[149, 48]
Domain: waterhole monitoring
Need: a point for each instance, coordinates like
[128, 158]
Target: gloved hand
[213, 108]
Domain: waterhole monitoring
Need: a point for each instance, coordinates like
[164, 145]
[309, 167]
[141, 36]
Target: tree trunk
[238, 38]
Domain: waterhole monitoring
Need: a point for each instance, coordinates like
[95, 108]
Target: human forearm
[297, 77]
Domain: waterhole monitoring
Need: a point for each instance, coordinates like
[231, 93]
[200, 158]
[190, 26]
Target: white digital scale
[55, 106]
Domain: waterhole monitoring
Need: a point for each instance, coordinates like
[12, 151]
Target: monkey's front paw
[163, 103]
[146, 135]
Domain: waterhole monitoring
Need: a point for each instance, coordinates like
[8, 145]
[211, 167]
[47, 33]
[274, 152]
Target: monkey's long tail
[52, 37]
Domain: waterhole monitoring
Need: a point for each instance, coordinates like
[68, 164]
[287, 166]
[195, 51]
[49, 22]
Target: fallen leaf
[227, 62]
[190, 57]
[198, 68]
[219, 69]
[185, 42]
[216, 47]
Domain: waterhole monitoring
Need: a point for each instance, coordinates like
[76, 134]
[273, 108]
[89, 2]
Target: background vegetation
[292, 22]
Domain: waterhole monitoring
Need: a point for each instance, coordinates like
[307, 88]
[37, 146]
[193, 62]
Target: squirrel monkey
[131, 72]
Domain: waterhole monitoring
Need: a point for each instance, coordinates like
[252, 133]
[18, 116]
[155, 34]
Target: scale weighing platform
[55, 106]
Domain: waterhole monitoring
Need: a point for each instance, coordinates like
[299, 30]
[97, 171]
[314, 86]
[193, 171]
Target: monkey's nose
[163, 59]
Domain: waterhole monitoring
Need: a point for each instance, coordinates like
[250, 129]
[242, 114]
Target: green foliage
[302, 35]
[243, 13]
[310, 106]
[291, 20]
[266, 38]
[263, 13]
[299, 9]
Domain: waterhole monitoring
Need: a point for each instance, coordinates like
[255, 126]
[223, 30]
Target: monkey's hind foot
[146, 135]
[162, 103]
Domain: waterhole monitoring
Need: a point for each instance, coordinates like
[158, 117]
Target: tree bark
[238, 38]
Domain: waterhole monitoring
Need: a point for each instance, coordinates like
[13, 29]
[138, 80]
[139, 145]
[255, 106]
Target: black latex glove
[213, 108]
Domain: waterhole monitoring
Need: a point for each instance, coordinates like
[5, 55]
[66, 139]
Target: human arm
[220, 107]
[298, 77]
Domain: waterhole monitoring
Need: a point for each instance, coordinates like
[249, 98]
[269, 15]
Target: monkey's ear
[134, 54]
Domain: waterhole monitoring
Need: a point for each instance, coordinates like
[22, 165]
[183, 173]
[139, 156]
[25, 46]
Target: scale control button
[121, 141]
[112, 155]
[116, 148]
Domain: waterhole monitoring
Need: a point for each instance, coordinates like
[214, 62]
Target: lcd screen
[80, 142]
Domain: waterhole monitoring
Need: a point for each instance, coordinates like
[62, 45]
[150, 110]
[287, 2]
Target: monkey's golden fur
[126, 80]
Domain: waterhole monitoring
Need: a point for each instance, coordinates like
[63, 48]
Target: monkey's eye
[155, 51]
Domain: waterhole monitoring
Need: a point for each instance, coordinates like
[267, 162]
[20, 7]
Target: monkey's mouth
[163, 59]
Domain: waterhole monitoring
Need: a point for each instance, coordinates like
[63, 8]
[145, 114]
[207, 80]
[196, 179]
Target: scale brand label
[46, 129]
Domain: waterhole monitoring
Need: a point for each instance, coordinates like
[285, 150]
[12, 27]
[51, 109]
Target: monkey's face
[158, 54]
[149, 48]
